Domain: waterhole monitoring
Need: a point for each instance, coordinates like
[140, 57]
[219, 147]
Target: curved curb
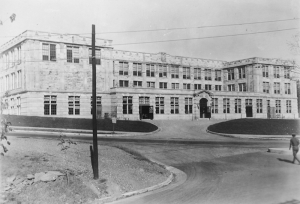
[173, 171]
[80, 132]
[248, 136]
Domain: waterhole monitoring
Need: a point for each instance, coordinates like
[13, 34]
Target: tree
[294, 46]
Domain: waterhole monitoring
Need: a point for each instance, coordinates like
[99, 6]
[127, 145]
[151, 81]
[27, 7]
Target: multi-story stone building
[49, 74]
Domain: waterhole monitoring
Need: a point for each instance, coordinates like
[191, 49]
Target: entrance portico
[203, 100]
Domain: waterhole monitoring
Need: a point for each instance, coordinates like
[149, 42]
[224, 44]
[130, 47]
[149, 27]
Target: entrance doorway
[146, 112]
[249, 112]
[204, 109]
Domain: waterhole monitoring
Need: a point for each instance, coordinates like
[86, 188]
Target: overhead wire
[178, 28]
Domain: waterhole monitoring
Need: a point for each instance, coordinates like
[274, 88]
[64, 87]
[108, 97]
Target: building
[49, 74]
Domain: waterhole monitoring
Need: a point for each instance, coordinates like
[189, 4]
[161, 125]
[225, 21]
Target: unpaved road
[221, 172]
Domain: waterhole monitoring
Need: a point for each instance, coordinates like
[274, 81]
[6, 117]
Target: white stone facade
[48, 74]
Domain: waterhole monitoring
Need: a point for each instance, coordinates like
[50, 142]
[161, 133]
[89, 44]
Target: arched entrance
[204, 109]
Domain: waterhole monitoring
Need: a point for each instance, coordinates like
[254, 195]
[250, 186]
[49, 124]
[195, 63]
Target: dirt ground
[119, 172]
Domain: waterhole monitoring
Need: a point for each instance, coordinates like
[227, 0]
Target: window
[231, 87]
[150, 70]
[12, 107]
[248, 102]
[123, 83]
[265, 71]
[238, 105]
[286, 72]
[137, 69]
[242, 72]
[197, 86]
[214, 105]
[123, 68]
[49, 52]
[276, 87]
[268, 104]
[162, 70]
[150, 84]
[188, 107]
[259, 106]
[288, 106]
[7, 82]
[230, 74]
[186, 73]
[287, 88]
[197, 73]
[276, 72]
[207, 87]
[74, 105]
[12, 80]
[98, 56]
[174, 105]
[218, 87]
[266, 87]
[207, 73]
[144, 100]
[218, 75]
[127, 104]
[226, 105]
[50, 105]
[19, 105]
[174, 71]
[98, 103]
[186, 86]
[159, 105]
[137, 83]
[242, 87]
[19, 79]
[175, 85]
[72, 54]
[277, 106]
[163, 85]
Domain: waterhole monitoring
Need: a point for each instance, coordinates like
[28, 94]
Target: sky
[77, 16]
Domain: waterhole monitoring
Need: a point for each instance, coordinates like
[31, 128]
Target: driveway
[226, 171]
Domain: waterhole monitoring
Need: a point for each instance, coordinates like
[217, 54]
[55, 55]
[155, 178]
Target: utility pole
[95, 141]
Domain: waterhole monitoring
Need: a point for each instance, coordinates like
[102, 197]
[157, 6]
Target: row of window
[11, 81]
[14, 106]
[164, 85]
[248, 102]
[265, 72]
[276, 72]
[276, 87]
[50, 105]
[11, 57]
[72, 53]
[150, 70]
[159, 104]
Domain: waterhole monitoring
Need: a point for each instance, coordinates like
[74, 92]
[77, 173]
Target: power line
[186, 39]
[208, 37]
[179, 28]
[198, 27]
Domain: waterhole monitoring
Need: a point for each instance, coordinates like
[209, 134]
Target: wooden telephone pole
[94, 151]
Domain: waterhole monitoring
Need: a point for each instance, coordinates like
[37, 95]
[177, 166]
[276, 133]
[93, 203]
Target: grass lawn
[79, 123]
[258, 127]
